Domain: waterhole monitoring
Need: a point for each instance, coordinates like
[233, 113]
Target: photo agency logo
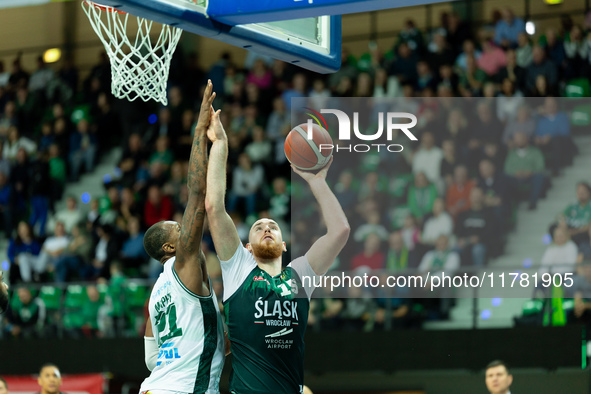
[387, 121]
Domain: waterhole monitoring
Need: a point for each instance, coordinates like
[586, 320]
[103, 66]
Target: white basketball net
[139, 69]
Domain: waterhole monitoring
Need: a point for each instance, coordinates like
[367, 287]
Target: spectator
[162, 153]
[487, 127]
[279, 203]
[577, 53]
[397, 257]
[47, 137]
[561, 255]
[371, 257]
[40, 191]
[246, 182]
[497, 188]
[385, 85]
[457, 130]
[469, 49]
[105, 252]
[555, 48]
[318, 98]
[440, 51]
[541, 66]
[427, 159]
[21, 179]
[475, 231]
[129, 207]
[298, 90]
[577, 217]
[131, 160]
[437, 224]
[6, 205]
[412, 36]
[371, 226]
[53, 247]
[425, 77]
[158, 207]
[57, 175]
[524, 51]
[512, 72]
[41, 77]
[442, 258]
[421, 196]
[260, 75]
[508, 29]
[498, 379]
[4, 162]
[4, 76]
[27, 316]
[404, 66]
[509, 102]
[472, 78]
[16, 142]
[259, 150]
[457, 198]
[525, 164]
[524, 123]
[278, 118]
[83, 149]
[23, 251]
[92, 315]
[448, 162]
[133, 254]
[344, 191]
[77, 256]
[70, 216]
[585, 249]
[492, 60]
[552, 135]
[411, 233]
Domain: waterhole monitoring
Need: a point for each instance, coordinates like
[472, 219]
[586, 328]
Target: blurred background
[83, 175]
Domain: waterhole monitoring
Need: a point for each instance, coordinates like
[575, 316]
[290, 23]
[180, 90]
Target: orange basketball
[308, 154]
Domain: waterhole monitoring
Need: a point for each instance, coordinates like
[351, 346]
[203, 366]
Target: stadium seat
[74, 302]
[578, 88]
[581, 115]
[135, 295]
[75, 297]
[51, 296]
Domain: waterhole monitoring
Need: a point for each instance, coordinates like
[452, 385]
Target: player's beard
[267, 251]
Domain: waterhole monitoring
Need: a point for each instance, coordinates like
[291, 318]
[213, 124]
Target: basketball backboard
[235, 12]
[313, 43]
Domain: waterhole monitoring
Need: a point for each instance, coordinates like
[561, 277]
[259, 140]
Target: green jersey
[266, 318]
[578, 216]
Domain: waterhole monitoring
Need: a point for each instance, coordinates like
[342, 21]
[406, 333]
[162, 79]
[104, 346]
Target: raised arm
[224, 234]
[324, 251]
[189, 258]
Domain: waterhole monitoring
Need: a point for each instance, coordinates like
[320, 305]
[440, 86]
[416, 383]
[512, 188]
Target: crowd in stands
[449, 198]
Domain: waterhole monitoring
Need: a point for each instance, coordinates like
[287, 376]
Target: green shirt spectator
[528, 159]
[421, 196]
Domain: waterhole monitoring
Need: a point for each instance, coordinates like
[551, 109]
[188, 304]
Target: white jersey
[190, 335]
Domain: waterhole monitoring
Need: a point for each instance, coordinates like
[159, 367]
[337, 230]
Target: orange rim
[104, 7]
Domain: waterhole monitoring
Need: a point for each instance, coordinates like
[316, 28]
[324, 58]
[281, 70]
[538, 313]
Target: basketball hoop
[139, 69]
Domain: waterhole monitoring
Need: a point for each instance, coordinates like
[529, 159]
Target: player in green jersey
[265, 305]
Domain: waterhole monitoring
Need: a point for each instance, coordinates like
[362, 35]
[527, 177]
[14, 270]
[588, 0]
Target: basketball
[305, 154]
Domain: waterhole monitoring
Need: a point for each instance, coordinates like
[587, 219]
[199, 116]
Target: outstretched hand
[205, 113]
[310, 176]
[215, 131]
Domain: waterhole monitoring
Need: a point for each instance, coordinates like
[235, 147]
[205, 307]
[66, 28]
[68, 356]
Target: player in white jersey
[185, 323]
